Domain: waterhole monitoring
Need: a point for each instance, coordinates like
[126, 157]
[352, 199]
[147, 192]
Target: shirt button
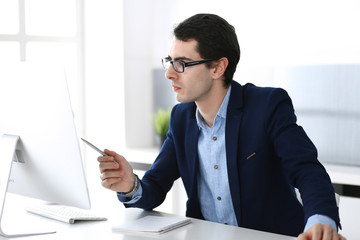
[218, 198]
[214, 138]
[216, 166]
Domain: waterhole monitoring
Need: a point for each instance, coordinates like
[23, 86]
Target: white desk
[198, 229]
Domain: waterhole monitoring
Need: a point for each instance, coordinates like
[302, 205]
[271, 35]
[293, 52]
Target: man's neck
[209, 108]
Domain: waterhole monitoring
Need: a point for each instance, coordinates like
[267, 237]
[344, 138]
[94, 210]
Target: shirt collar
[221, 113]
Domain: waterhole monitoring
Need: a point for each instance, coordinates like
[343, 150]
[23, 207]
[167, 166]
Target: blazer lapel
[232, 131]
[191, 142]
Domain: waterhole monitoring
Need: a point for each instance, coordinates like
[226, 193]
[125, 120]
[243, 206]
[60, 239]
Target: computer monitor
[35, 105]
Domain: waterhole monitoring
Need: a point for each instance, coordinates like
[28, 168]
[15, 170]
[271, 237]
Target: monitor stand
[7, 150]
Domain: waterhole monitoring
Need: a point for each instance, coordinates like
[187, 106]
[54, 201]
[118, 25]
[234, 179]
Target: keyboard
[63, 213]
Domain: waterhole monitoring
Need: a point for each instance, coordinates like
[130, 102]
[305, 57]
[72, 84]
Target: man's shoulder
[250, 88]
[252, 97]
[251, 91]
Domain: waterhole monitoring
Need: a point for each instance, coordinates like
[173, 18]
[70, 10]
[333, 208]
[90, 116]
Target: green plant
[161, 121]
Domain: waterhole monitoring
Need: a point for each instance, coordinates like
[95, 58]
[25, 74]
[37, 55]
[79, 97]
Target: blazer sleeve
[159, 179]
[299, 158]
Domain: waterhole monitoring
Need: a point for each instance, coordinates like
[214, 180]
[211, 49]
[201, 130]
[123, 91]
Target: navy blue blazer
[268, 155]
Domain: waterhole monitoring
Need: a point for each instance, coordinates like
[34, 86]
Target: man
[237, 149]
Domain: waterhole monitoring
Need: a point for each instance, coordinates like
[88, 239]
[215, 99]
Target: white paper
[153, 224]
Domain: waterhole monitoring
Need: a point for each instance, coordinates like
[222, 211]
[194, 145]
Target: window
[54, 31]
[50, 33]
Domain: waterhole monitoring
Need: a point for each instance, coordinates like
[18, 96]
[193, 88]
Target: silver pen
[96, 149]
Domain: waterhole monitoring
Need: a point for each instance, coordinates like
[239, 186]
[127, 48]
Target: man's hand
[321, 232]
[116, 175]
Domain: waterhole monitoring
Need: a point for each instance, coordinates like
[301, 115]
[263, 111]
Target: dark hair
[216, 39]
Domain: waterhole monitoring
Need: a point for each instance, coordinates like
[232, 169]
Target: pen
[96, 149]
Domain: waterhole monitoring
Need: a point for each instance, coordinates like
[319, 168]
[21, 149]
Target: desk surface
[198, 229]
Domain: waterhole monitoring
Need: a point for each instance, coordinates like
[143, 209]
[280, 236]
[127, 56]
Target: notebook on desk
[153, 224]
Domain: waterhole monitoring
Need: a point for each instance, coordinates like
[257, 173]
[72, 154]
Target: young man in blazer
[237, 148]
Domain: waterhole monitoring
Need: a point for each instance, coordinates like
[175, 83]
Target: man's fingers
[320, 232]
[110, 153]
[106, 159]
[110, 174]
[108, 182]
[108, 166]
[302, 237]
[116, 172]
[317, 232]
[328, 233]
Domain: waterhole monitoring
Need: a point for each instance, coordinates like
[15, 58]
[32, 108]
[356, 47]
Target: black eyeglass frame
[184, 64]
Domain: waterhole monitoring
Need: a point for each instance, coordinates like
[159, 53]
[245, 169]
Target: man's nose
[171, 73]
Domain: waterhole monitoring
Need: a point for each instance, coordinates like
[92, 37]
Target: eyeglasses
[179, 66]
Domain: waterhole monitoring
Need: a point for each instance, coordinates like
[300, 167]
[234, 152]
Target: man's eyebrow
[180, 58]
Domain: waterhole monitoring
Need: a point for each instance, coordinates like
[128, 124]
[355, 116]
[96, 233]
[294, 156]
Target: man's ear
[219, 67]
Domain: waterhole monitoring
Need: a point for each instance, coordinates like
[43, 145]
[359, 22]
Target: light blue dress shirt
[213, 182]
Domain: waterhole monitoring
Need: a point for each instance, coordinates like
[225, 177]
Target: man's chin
[182, 100]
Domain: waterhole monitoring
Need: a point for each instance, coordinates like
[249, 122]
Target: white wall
[104, 85]
[350, 217]
[271, 33]
[147, 31]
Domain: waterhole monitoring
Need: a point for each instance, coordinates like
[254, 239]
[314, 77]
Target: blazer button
[214, 138]
[218, 198]
[216, 167]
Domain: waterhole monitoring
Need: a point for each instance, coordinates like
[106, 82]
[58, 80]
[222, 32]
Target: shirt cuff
[318, 218]
[136, 197]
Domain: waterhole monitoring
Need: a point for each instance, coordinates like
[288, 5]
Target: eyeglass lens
[178, 66]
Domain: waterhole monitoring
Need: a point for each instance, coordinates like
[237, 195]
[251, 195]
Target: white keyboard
[63, 213]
